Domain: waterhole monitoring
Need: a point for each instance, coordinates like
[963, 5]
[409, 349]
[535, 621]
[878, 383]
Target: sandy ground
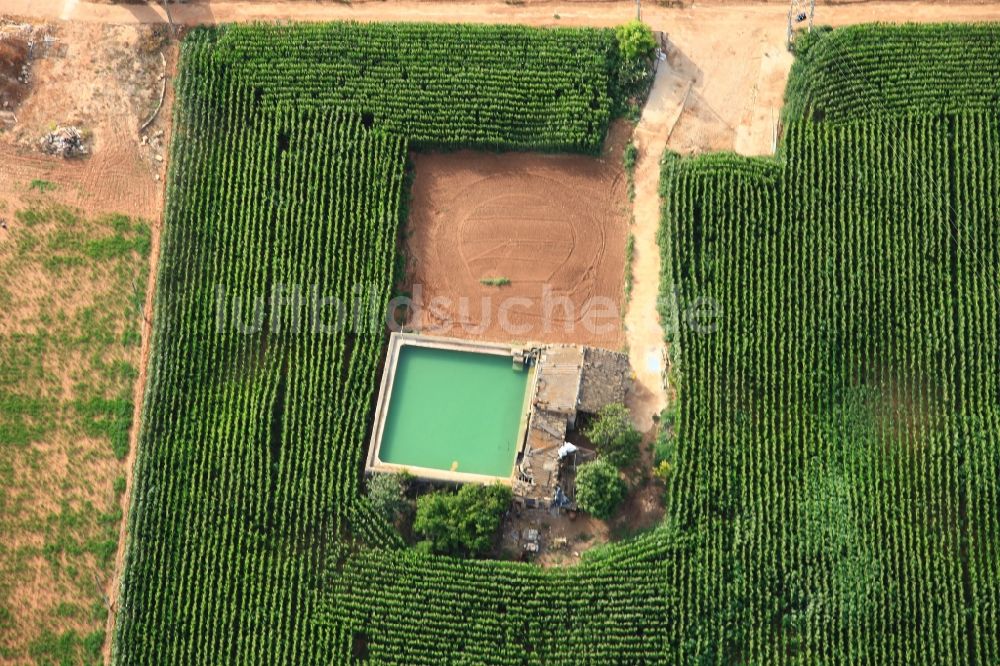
[553, 225]
[100, 79]
[647, 351]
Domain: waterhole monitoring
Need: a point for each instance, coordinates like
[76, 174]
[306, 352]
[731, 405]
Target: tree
[613, 434]
[386, 494]
[635, 40]
[599, 489]
[463, 523]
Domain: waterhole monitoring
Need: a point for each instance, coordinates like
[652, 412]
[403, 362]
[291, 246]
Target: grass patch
[68, 365]
[495, 281]
[629, 157]
[42, 185]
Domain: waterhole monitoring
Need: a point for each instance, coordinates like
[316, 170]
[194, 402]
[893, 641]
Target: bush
[630, 156]
[633, 73]
[386, 494]
[612, 433]
[599, 489]
[635, 40]
[804, 40]
[464, 523]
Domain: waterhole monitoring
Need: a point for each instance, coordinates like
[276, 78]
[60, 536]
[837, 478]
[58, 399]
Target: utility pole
[796, 9]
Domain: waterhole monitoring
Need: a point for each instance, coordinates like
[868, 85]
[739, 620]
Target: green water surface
[451, 407]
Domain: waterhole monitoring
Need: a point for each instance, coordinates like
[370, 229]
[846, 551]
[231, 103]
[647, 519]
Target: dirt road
[647, 352]
[710, 15]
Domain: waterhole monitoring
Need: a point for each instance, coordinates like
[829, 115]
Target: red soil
[554, 225]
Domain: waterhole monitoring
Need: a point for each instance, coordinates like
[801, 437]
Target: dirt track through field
[647, 351]
[139, 391]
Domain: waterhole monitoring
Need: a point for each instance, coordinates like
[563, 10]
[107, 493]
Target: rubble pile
[65, 142]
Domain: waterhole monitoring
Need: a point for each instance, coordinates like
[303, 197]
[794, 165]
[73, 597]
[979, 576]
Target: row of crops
[491, 87]
[839, 446]
[876, 71]
[404, 607]
[255, 416]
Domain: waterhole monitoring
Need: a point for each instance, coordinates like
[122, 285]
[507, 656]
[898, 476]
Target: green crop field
[288, 171]
[839, 446]
[835, 489]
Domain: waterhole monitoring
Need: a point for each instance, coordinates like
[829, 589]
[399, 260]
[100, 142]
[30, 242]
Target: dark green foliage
[420, 609]
[599, 489]
[835, 493]
[883, 71]
[633, 73]
[463, 523]
[491, 87]
[614, 436]
[804, 40]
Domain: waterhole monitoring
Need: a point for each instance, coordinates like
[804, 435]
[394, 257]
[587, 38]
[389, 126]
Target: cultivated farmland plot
[839, 422]
[835, 493]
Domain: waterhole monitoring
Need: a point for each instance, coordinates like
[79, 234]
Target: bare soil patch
[105, 80]
[554, 226]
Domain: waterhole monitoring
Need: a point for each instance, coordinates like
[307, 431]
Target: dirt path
[711, 16]
[647, 351]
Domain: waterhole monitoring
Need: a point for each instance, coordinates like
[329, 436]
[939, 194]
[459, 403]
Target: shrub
[630, 156]
[599, 489]
[464, 523]
[386, 494]
[495, 281]
[635, 40]
[613, 434]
